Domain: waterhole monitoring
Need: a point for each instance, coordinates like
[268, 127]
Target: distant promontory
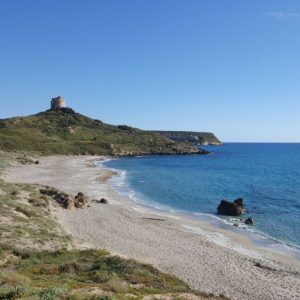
[61, 130]
[191, 137]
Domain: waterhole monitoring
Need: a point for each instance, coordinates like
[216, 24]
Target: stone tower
[58, 103]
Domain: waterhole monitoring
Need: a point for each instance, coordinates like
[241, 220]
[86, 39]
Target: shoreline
[258, 238]
[212, 260]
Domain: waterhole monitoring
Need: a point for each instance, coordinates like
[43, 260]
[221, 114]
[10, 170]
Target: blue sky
[230, 67]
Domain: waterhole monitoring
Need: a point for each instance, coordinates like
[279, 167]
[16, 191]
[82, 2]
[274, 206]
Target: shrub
[12, 278]
[26, 211]
[102, 297]
[52, 293]
[117, 285]
[22, 252]
[14, 193]
[101, 276]
[13, 292]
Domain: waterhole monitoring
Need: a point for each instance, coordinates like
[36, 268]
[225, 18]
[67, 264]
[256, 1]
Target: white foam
[101, 162]
[224, 241]
[137, 209]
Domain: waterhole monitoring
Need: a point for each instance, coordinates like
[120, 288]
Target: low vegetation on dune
[38, 260]
[64, 131]
[25, 216]
[85, 274]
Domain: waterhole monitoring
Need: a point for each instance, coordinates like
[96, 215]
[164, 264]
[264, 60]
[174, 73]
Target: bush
[22, 252]
[26, 211]
[102, 297]
[118, 285]
[11, 278]
[52, 293]
[101, 276]
[13, 292]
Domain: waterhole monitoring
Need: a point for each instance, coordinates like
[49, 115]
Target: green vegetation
[63, 272]
[66, 132]
[25, 218]
[191, 137]
[38, 259]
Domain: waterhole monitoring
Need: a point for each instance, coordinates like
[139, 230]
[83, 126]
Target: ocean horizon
[265, 175]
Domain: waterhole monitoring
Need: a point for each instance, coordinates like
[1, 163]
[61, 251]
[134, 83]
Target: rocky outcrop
[175, 151]
[65, 200]
[234, 208]
[119, 140]
[80, 200]
[239, 202]
[69, 202]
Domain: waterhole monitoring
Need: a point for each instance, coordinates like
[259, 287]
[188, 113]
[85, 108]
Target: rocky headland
[60, 130]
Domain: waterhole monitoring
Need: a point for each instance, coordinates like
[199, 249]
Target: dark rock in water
[239, 202]
[234, 208]
[249, 221]
[37, 162]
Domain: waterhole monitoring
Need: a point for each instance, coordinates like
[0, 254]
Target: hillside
[191, 137]
[63, 131]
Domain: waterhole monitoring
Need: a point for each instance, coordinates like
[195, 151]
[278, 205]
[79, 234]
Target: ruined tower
[58, 103]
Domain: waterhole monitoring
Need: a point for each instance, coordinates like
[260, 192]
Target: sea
[265, 175]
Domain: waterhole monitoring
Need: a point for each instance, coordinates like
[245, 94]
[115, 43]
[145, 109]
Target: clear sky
[227, 66]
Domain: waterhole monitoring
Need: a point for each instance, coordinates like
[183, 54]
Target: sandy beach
[209, 259]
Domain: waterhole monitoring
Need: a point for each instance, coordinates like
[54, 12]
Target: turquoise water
[267, 176]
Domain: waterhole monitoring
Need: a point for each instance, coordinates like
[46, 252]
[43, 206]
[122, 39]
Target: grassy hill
[191, 137]
[64, 131]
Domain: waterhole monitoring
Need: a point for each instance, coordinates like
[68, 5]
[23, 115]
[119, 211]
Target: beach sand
[209, 259]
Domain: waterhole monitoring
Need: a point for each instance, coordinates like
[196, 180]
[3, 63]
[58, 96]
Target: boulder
[80, 200]
[102, 200]
[68, 203]
[234, 208]
[239, 202]
[249, 221]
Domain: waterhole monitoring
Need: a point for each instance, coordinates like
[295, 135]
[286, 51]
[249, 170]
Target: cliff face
[64, 131]
[191, 137]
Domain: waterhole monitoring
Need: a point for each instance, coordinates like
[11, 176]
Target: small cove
[267, 176]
